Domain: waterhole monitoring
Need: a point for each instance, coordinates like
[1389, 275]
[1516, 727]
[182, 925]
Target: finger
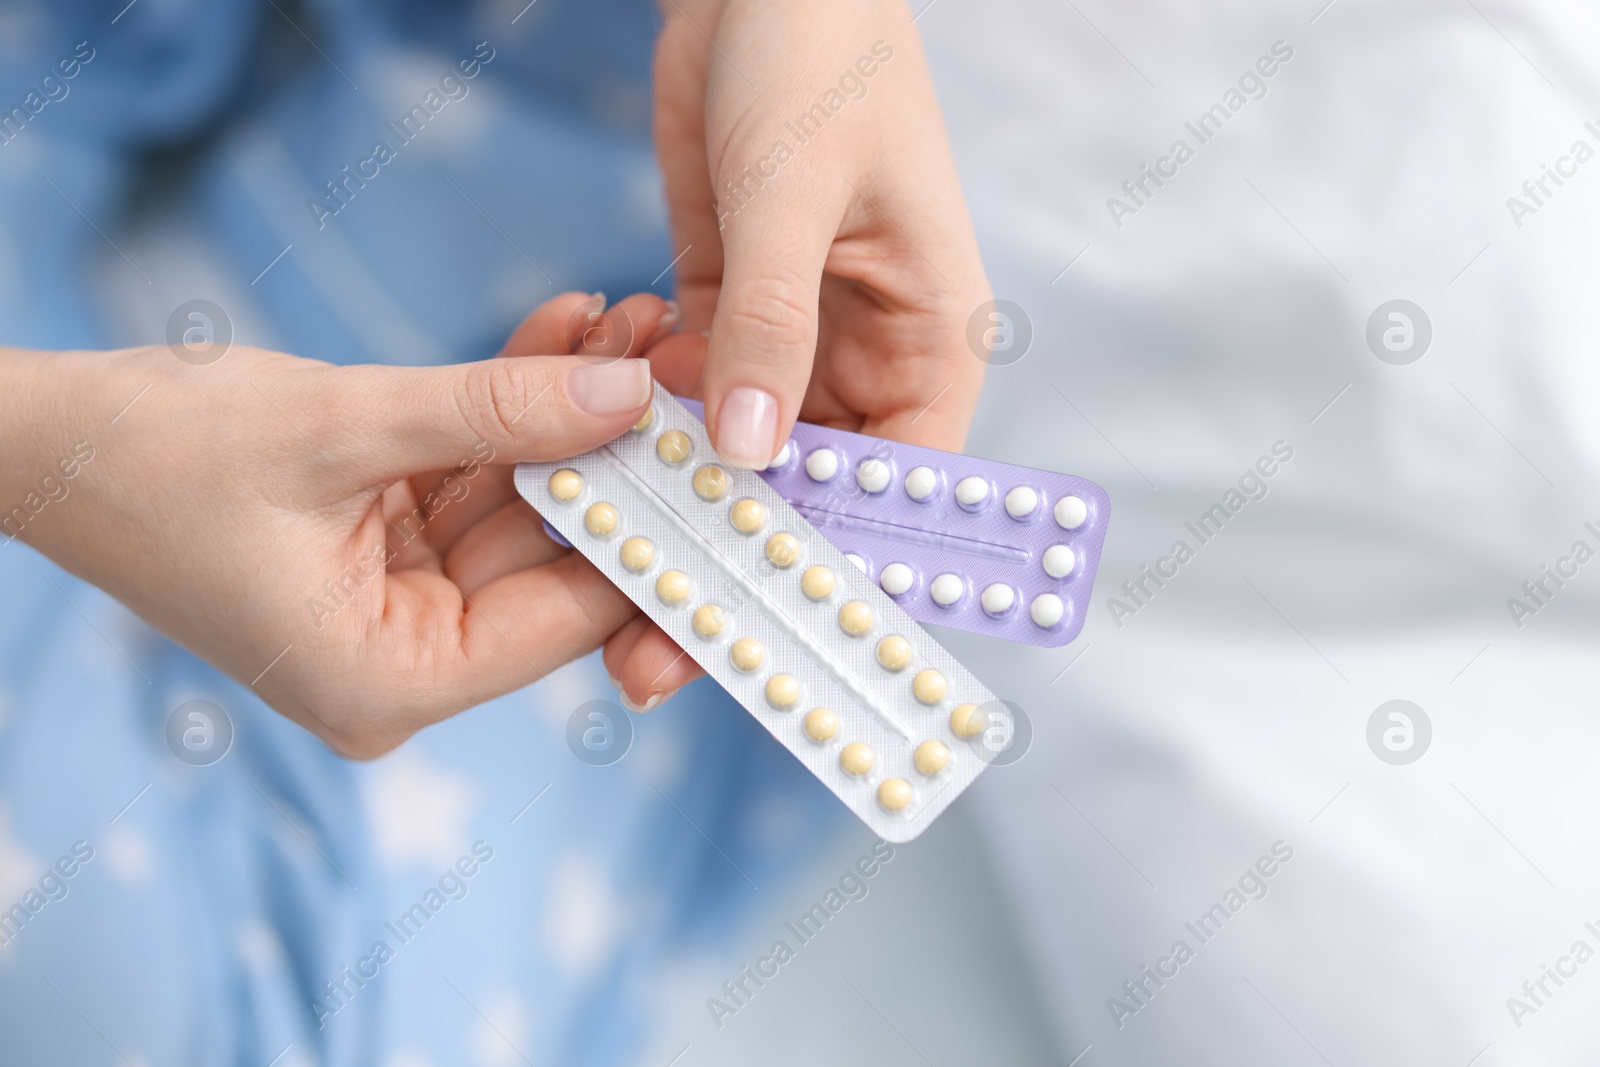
[676, 362]
[764, 335]
[551, 328]
[682, 70]
[655, 669]
[618, 645]
[628, 328]
[381, 424]
[510, 540]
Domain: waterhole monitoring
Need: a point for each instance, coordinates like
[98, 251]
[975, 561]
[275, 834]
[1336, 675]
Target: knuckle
[772, 319]
[494, 396]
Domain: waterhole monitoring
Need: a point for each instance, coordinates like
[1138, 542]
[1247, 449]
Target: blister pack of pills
[827, 661]
[987, 547]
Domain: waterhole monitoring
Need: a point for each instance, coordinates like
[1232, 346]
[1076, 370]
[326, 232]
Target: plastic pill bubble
[748, 516]
[566, 484]
[872, 475]
[931, 757]
[967, 720]
[929, 686]
[821, 724]
[1070, 512]
[896, 579]
[710, 482]
[857, 758]
[673, 446]
[855, 618]
[637, 553]
[747, 654]
[1046, 610]
[894, 653]
[947, 589]
[921, 482]
[673, 587]
[894, 794]
[998, 598]
[817, 583]
[1059, 561]
[783, 549]
[1021, 501]
[782, 691]
[859, 563]
[644, 423]
[782, 458]
[822, 464]
[709, 620]
[601, 519]
[972, 491]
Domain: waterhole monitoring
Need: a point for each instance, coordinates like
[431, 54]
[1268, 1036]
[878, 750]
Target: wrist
[45, 442]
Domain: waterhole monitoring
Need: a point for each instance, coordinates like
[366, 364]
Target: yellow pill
[637, 553]
[855, 618]
[783, 549]
[821, 724]
[929, 686]
[673, 446]
[817, 583]
[747, 654]
[709, 620]
[931, 757]
[857, 758]
[894, 794]
[894, 653]
[783, 690]
[673, 587]
[711, 483]
[566, 484]
[967, 720]
[748, 516]
[644, 423]
[601, 519]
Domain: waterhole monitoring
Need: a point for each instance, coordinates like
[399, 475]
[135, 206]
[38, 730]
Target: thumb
[764, 334]
[394, 422]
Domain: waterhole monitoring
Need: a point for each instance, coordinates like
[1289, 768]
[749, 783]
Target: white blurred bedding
[1222, 718]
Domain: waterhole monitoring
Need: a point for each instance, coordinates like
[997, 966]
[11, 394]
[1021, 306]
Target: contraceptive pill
[957, 541]
[776, 613]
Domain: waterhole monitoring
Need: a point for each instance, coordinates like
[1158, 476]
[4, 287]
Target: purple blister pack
[987, 547]
[973, 544]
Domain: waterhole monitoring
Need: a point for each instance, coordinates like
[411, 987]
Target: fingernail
[609, 388]
[614, 683]
[640, 709]
[668, 323]
[600, 297]
[747, 423]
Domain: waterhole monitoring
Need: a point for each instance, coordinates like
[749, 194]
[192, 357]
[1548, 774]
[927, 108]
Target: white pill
[998, 598]
[822, 464]
[921, 482]
[972, 490]
[1059, 561]
[896, 579]
[946, 589]
[872, 475]
[1046, 610]
[1070, 512]
[861, 564]
[1021, 501]
[781, 458]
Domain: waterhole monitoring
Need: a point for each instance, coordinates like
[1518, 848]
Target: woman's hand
[810, 182]
[345, 540]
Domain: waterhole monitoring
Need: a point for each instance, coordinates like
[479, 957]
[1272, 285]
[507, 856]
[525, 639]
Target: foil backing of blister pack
[801, 637]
